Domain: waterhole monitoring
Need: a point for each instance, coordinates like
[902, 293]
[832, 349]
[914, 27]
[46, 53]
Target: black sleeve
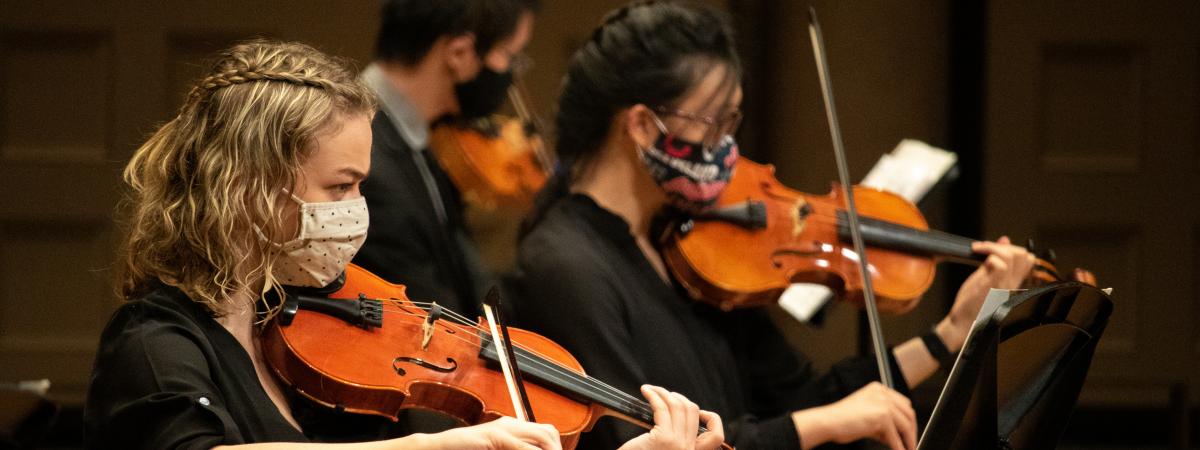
[573, 301]
[776, 374]
[784, 379]
[151, 389]
[781, 380]
[847, 376]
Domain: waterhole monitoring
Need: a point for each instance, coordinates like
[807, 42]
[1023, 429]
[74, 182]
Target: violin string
[617, 396]
[455, 322]
[936, 235]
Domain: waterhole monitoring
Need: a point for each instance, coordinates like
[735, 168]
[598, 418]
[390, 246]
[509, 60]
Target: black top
[169, 376]
[407, 242]
[584, 283]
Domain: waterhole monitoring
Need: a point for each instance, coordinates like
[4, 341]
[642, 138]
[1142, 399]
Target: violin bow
[506, 355]
[839, 152]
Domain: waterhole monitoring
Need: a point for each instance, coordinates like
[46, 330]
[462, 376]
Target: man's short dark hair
[410, 27]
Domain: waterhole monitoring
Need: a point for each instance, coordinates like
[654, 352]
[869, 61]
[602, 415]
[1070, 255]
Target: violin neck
[891, 236]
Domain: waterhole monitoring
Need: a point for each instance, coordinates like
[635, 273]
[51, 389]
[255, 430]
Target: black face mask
[484, 94]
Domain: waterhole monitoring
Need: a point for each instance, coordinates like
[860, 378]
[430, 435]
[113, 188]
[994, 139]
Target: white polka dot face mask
[330, 234]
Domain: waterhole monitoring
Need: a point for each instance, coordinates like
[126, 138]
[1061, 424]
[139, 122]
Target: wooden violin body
[367, 349]
[494, 162]
[799, 242]
[381, 370]
[762, 236]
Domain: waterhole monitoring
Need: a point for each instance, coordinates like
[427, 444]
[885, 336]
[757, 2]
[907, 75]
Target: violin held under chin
[366, 348]
[495, 161]
[762, 236]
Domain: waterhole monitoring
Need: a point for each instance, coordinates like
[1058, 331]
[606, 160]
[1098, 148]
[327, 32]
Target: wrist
[952, 334]
[811, 427]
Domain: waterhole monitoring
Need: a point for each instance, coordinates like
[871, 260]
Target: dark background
[1075, 123]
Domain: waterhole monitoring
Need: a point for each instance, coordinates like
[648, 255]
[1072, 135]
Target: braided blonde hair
[202, 183]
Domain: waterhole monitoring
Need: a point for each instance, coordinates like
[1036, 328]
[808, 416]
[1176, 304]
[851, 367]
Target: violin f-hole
[423, 363]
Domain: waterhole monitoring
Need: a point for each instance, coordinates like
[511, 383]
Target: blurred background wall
[1075, 124]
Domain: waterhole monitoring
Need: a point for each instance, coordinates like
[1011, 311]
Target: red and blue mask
[692, 176]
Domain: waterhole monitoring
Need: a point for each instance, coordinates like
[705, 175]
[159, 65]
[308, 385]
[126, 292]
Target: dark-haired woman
[645, 128]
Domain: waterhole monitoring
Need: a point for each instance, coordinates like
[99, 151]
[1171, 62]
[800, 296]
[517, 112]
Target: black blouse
[169, 376]
[583, 282]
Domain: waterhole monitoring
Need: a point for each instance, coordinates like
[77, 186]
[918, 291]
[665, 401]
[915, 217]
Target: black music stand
[1018, 377]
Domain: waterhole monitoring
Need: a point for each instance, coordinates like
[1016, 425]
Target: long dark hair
[648, 52]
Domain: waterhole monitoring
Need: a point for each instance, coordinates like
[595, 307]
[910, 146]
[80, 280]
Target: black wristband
[937, 348]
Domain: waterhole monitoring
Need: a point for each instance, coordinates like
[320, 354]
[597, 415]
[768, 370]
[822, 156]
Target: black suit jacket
[407, 243]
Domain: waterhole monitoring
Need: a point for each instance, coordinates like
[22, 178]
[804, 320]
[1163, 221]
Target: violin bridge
[427, 329]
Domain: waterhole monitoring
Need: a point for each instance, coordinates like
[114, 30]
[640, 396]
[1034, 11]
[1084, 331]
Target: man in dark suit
[434, 58]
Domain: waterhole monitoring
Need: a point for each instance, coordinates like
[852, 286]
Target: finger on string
[658, 404]
[990, 247]
[715, 436]
[692, 422]
[984, 247]
[1030, 262]
[995, 264]
[679, 412]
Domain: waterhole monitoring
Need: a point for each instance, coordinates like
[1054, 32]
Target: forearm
[811, 428]
[916, 363]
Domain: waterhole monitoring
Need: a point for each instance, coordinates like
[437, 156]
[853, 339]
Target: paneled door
[1092, 147]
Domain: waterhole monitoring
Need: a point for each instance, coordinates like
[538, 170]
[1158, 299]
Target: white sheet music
[911, 170]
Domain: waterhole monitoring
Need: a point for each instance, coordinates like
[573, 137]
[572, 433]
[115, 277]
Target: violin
[762, 236]
[366, 348]
[495, 161]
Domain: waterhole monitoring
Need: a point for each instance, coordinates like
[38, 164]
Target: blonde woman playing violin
[274, 132]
